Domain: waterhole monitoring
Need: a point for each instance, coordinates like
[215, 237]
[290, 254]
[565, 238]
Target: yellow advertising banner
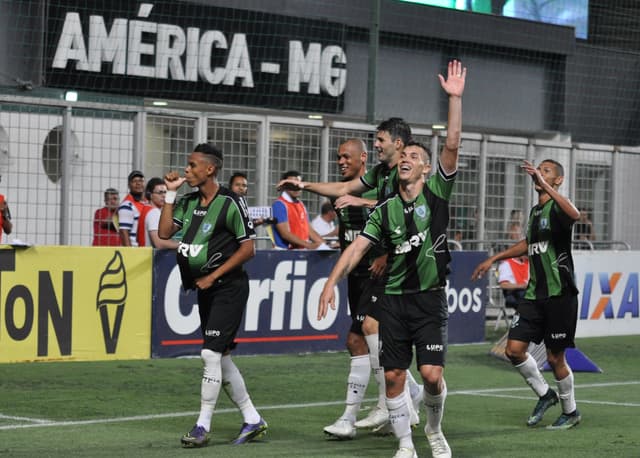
[75, 303]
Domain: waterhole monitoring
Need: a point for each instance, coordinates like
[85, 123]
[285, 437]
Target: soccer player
[550, 307]
[391, 137]
[412, 226]
[217, 240]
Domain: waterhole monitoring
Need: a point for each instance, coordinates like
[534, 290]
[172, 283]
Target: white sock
[532, 375]
[414, 388]
[210, 388]
[435, 409]
[356, 385]
[234, 386]
[566, 393]
[399, 419]
[378, 371]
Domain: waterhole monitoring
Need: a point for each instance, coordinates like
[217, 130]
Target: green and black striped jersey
[352, 220]
[383, 179]
[415, 234]
[551, 270]
[211, 234]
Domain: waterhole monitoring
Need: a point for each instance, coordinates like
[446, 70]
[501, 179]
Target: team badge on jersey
[206, 227]
[421, 211]
[544, 223]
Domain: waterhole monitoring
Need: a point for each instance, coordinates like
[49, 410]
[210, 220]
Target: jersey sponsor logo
[538, 248]
[199, 212]
[350, 235]
[434, 347]
[414, 241]
[606, 305]
[212, 333]
[189, 250]
[558, 335]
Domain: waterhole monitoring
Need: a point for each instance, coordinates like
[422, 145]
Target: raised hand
[456, 76]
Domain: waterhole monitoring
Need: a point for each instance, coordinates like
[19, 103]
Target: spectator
[105, 232]
[132, 211]
[324, 223]
[5, 216]
[292, 229]
[155, 192]
[514, 226]
[239, 184]
[513, 277]
[583, 229]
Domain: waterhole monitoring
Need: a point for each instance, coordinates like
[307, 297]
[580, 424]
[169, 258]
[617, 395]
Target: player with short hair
[217, 239]
[412, 226]
[550, 306]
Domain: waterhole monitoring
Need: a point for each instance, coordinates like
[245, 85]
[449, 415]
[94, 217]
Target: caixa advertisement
[280, 316]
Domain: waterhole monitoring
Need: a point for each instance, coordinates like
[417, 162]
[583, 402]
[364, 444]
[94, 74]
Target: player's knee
[370, 326]
[210, 358]
[356, 344]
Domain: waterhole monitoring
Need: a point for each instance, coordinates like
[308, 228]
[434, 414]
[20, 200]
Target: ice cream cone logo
[112, 295]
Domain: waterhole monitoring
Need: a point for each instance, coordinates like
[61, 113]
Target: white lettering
[238, 64]
[169, 47]
[538, 247]
[208, 40]
[333, 80]
[137, 48]
[304, 69]
[111, 47]
[179, 323]
[464, 300]
[71, 44]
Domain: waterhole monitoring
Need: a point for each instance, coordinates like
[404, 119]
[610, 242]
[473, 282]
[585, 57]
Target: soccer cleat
[252, 432]
[439, 445]
[341, 429]
[197, 437]
[384, 429]
[376, 417]
[548, 400]
[405, 452]
[566, 421]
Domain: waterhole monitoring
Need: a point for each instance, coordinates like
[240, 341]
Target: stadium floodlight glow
[314, 116]
[71, 96]
[160, 103]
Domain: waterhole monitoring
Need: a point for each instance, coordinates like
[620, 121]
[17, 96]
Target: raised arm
[454, 87]
[166, 228]
[563, 202]
[335, 189]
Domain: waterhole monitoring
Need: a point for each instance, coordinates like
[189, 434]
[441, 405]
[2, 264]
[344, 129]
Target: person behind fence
[513, 277]
[292, 229]
[324, 222]
[412, 226]
[155, 192]
[216, 221]
[132, 212]
[239, 184]
[105, 232]
[550, 306]
[514, 226]
[583, 229]
[5, 216]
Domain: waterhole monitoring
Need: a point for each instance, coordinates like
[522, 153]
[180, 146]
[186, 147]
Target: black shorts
[363, 292]
[221, 309]
[419, 319]
[553, 320]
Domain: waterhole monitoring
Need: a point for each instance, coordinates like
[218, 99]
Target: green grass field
[141, 408]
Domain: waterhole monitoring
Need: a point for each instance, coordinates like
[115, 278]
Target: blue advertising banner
[281, 311]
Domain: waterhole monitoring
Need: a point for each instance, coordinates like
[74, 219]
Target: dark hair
[151, 184]
[558, 165]
[109, 191]
[422, 146]
[397, 128]
[211, 150]
[326, 207]
[236, 175]
[290, 173]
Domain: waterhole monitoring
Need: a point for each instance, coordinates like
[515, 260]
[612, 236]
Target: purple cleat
[252, 432]
[197, 437]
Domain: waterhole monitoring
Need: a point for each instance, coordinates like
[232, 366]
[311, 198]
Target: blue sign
[280, 315]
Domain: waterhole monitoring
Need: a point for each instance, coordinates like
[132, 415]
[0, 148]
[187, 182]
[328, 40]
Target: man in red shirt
[105, 232]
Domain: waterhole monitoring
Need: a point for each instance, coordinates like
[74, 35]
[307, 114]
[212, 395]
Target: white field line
[490, 392]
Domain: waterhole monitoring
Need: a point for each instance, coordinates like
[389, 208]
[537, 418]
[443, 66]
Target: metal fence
[56, 160]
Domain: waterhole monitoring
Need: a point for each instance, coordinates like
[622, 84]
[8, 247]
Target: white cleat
[341, 429]
[406, 452]
[384, 429]
[376, 417]
[439, 446]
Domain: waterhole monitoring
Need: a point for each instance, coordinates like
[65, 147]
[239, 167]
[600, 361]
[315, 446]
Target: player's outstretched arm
[347, 262]
[518, 249]
[454, 87]
[336, 189]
